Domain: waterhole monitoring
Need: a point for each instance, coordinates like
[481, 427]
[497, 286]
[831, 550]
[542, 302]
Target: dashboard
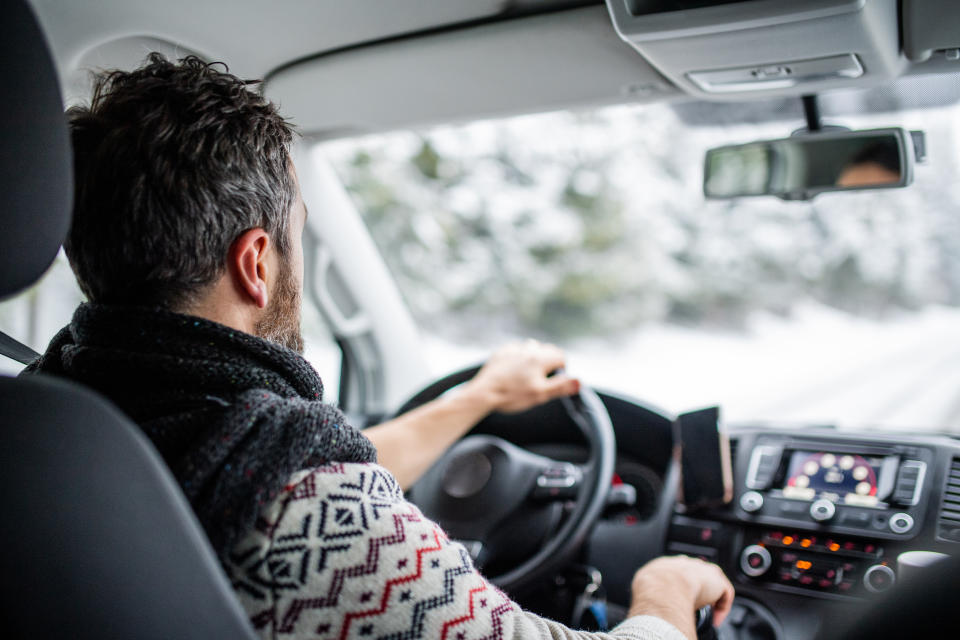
[818, 520]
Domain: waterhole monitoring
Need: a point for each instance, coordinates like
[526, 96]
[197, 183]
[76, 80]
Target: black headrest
[36, 183]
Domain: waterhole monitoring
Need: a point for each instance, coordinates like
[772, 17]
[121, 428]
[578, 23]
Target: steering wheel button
[558, 482]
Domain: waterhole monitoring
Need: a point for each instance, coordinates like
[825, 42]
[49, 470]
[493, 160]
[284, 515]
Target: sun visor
[736, 50]
[561, 60]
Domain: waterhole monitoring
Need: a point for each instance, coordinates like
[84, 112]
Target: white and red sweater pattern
[341, 554]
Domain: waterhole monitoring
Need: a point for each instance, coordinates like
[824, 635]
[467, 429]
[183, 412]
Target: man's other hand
[673, 588]
[516, 377]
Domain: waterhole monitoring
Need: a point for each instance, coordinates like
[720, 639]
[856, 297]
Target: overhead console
[740, 49]
[930, 30]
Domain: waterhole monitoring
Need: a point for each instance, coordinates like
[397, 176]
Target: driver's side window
[34, 316]
[321, 350]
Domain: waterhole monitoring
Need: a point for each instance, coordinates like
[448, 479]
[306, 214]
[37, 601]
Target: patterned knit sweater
[341, 554]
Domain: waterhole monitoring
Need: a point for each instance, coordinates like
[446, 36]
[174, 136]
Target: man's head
[186, 197]
[876, 164]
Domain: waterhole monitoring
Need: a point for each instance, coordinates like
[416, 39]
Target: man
[874, 165]
[186, 241]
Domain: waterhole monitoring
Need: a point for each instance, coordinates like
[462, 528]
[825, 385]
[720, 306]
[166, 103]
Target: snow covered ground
[819, 366]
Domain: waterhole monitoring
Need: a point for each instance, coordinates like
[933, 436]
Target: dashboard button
[755, 560]
[856, 519]
[901, 522]
[822, 510]
[791, 508]
[751, 502]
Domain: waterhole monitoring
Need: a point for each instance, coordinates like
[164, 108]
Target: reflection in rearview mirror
[805, 165]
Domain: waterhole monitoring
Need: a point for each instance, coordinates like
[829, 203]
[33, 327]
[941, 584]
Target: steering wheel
[480, 489]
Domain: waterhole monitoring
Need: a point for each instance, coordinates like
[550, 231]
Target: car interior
[824, 532]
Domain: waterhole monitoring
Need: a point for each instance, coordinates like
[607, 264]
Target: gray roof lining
[252, 36]
[568, 58]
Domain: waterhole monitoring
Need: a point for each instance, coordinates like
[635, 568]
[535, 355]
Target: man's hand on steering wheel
[517, 377]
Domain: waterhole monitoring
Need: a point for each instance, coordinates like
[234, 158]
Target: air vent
[948, 523]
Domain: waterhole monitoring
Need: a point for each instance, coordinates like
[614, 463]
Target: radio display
[846, 477]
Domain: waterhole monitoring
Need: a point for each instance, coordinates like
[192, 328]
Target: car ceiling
[344, 67]
[254, 37]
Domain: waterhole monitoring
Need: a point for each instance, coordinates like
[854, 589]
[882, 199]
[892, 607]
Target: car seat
[97, 540]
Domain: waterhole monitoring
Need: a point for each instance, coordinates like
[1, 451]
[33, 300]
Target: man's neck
[222, 304]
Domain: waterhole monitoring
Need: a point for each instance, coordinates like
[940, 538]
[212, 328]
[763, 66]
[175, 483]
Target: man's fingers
[519, 376]
[561, 385]
[550, 357]
[722, 606]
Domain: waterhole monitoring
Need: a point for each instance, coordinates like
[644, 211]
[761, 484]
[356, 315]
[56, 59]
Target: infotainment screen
[845, 477]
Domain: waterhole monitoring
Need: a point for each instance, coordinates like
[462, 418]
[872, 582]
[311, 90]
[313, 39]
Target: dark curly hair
[173, 162]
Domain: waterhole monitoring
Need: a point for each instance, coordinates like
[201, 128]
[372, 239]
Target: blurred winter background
[591, 230]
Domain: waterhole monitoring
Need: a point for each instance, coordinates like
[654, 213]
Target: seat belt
[16, 350]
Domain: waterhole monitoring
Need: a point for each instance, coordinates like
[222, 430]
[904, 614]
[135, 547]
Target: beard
[280, 323]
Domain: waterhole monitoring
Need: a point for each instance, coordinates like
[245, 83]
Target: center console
[819, 517]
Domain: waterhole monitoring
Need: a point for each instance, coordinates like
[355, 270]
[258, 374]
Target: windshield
[591, 230]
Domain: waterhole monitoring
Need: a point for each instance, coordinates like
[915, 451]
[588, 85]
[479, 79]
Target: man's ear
[247, 263]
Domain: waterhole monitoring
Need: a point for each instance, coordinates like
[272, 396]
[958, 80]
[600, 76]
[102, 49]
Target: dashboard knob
[901, 522]
[878, 578]
[751, 501]
[755, 560]
[822, 510]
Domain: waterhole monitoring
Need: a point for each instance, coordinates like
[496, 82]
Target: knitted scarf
[232, 415]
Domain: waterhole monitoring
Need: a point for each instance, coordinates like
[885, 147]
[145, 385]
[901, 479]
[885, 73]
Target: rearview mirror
[804, 165]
